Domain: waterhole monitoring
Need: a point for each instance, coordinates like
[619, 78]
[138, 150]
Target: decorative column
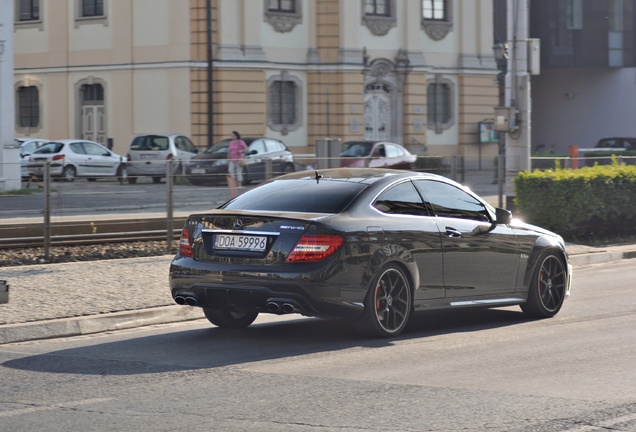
[9, 152]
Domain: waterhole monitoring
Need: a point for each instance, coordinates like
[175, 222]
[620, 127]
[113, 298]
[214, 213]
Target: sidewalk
[70, 299]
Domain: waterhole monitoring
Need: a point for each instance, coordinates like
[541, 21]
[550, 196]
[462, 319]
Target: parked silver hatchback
[148, 155]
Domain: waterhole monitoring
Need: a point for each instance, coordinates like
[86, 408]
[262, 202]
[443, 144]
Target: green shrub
[589, 203]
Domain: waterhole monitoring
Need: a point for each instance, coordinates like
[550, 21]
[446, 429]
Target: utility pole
[517, 96]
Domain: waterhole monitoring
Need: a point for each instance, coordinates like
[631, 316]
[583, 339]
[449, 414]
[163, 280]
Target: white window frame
[438, 29]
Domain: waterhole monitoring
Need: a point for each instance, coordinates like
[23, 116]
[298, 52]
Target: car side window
[273, 145]
[258, 145]
[393, 151]
[379, 151]
[402, 199]
[77, 148]
[184, 144]
[450, 201]
[95, 150]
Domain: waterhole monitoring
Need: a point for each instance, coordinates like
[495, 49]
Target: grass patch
[21, 192]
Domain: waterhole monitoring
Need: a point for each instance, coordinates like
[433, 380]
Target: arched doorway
[377, 112]
[383, 101]
[92, 112]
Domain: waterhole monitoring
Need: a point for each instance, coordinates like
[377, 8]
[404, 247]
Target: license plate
[147, 156]
[239, 242]
[198, 170]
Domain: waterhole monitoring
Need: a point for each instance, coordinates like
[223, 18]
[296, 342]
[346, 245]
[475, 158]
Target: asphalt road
[487, 370]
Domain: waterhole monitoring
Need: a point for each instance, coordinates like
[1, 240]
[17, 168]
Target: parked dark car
[616, 143]
[211, 165]
[370, 245]
[376, 154]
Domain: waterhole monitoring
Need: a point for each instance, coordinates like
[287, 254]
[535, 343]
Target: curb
[65, 327]
[600, 257]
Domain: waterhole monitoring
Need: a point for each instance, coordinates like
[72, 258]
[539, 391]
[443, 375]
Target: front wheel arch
[548, 286]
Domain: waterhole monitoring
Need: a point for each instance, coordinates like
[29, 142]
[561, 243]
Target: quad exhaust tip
[186, 300]
[282, 307]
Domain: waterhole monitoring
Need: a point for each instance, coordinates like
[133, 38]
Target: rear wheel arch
[406, 263]
[388, 302]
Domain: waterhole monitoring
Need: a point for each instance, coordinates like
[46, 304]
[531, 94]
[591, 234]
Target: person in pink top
[235, 153]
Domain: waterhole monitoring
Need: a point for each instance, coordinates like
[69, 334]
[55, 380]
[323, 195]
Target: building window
[437, 18]
[92, 8]
[379, 16]
[434, 10]
[29, 10]
[283, 15]
[93, 93]
[282, 6]
[28, 107]
[439, 100]
[377, 7]
[282, 106]
[284, 103]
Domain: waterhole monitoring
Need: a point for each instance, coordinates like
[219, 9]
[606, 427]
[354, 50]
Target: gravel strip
[72, 288]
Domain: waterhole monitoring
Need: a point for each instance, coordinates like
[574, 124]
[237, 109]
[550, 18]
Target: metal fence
[48, 211]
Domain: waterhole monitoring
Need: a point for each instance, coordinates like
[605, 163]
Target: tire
[547, 288]
[387, 305]
[156, 180]
[132, 180]
[122, 174]
[69, 173]
[226, 318]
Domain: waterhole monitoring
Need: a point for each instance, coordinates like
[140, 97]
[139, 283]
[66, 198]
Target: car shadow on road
[207, 347]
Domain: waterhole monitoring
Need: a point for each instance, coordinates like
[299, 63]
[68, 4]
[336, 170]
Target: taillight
[57, 157]
[313, 248]
[185, 250]
[170, 156]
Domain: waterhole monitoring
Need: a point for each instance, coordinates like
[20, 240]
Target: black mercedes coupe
[370, 245]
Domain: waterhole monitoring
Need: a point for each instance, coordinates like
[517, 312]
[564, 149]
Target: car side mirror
[252, 152]
[504, 217]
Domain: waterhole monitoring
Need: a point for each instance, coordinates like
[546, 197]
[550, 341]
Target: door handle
[452, 232]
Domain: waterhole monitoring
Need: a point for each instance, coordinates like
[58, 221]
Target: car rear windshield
[150, 143]
[299, 195]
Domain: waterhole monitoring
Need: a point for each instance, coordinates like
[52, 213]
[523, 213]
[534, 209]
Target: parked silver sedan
[77, 158]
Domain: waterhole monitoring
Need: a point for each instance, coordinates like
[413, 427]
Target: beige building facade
[416, 72]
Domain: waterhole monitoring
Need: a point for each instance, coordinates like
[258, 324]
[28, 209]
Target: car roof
[68, 141]
[366, 175]
[161, 134]
[371, 142]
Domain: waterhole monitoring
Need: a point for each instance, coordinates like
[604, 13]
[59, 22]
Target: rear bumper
[254, 291]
